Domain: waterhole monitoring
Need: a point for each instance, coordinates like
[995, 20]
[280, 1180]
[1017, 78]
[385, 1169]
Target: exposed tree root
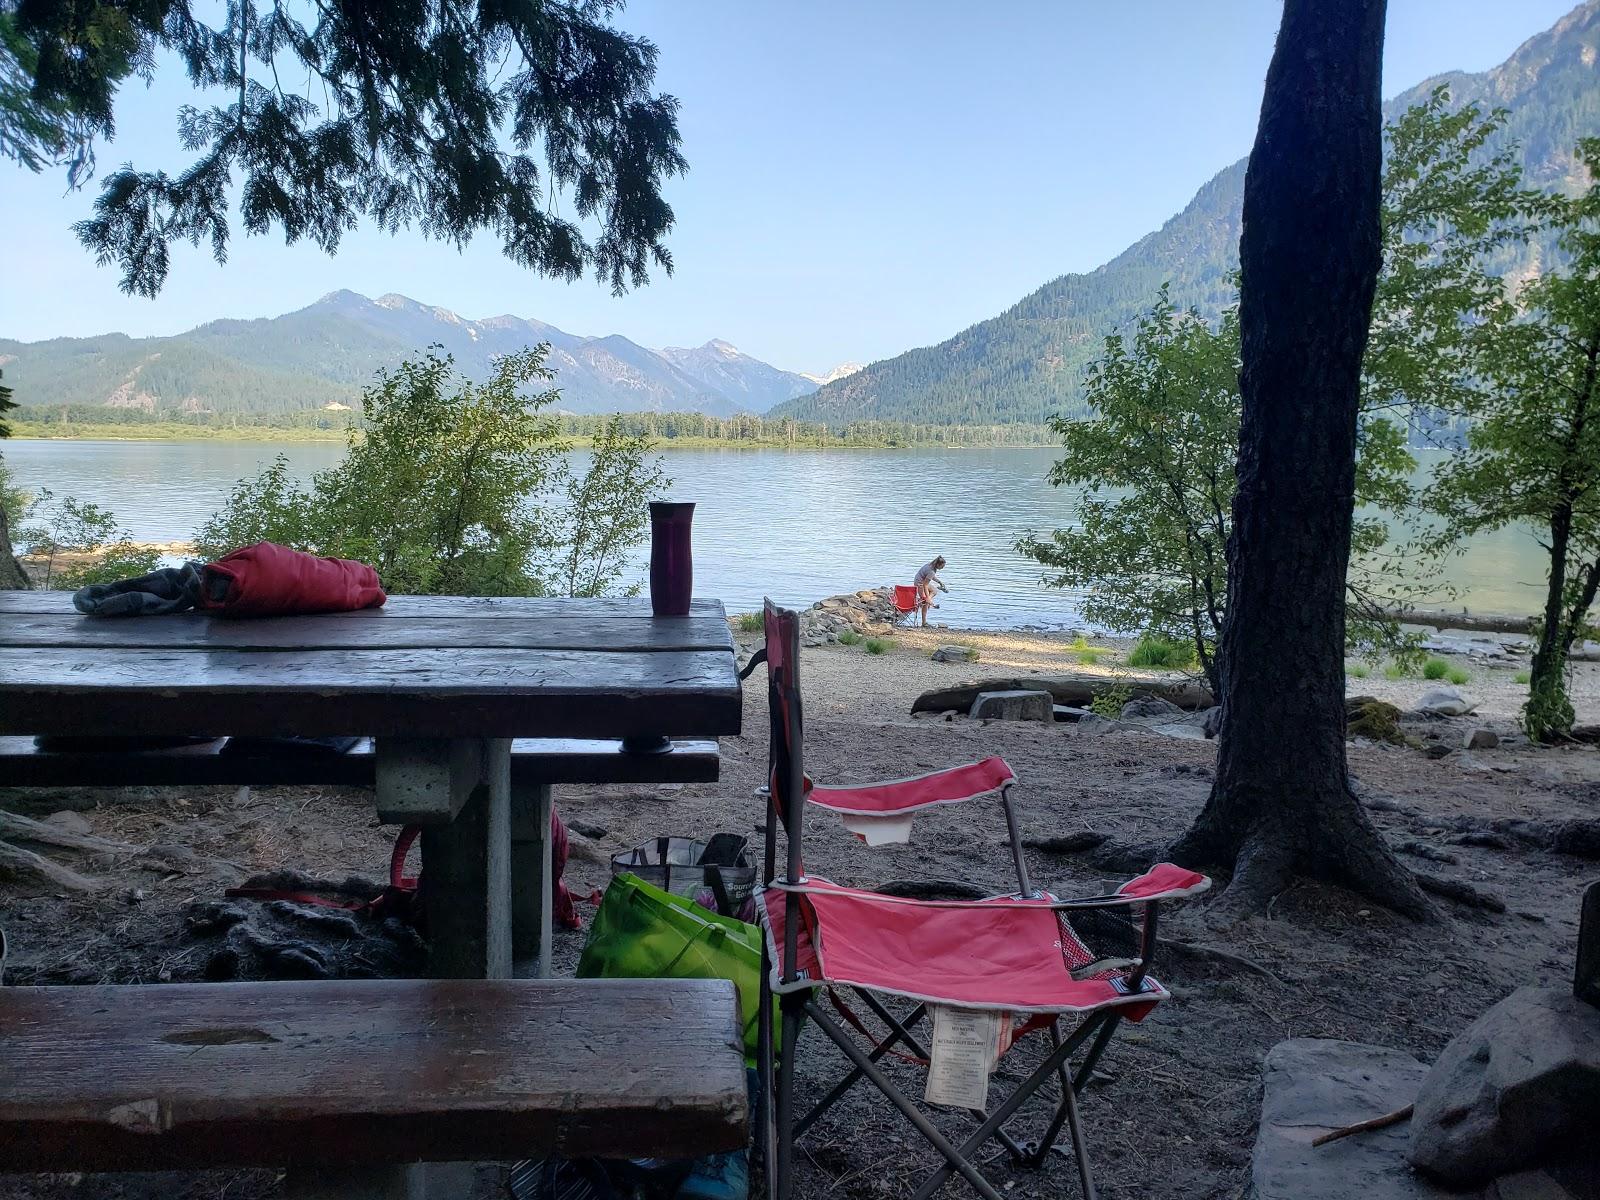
[1461, 893]
[25, 863]
[26, 829]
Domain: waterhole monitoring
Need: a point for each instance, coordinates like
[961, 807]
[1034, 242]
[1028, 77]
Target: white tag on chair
[879, 831]
[965, 1045]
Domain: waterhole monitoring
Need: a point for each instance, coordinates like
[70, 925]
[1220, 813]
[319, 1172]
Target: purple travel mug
[671, 564]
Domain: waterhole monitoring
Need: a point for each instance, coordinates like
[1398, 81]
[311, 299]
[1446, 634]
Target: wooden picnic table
[442, 683]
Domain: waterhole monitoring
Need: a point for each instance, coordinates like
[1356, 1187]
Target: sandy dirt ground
[1175, 1110]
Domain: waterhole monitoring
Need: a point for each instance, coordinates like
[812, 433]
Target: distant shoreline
[34, 431]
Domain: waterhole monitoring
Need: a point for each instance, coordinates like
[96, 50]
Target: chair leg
[763, 1116]
[955, 1160]
[1074, 1083]
[1069, 1100]
[900, 1032]
[1018, 1097]
[793, 1007]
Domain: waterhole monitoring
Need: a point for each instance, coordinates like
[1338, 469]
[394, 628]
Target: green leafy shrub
[1079, 643]
[848, 637]
[1109, 703]
[876, 646]
[1523, 676]
[1394, 672]
[1435, 668]
[80, 542]
[440, 492]
[1358, 670]
[749, 622]
[1089, 656]
[1154, 650]
[1458, 675]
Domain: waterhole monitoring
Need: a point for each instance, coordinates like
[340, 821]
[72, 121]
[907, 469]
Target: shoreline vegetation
[687, 431]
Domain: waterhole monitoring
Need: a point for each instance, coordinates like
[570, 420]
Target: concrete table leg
[532, 884]
[466, 871]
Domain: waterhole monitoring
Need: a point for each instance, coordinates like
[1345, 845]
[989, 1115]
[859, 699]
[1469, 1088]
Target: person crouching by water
[928, 579]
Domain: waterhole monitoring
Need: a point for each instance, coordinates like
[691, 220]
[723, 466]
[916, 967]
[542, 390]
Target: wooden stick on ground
[1383, 1122]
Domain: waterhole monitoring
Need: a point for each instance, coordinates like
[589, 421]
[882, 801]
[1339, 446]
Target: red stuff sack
[269, 580]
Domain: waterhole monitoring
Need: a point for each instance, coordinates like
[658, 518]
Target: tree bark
[12, 576]
[1281, 804]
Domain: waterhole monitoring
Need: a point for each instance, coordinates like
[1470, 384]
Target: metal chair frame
[779, 1127]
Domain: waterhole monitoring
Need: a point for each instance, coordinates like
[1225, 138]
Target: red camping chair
[1018, 954]
[905, 599]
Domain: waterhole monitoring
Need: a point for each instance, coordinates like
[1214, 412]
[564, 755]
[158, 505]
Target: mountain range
[1027, 363]
[324, 354]
[1021, 366]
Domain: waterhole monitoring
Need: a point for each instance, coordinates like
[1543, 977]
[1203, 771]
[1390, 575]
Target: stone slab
[1314, 1085]
[1014, 705]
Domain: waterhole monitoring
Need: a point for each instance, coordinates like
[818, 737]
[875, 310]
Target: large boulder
[1445, 700]
[1517, 1087]
[1015, 705]
[1148, 707]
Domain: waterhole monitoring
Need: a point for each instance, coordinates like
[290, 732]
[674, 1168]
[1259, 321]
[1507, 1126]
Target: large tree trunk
[12, 576]
[1281, 804]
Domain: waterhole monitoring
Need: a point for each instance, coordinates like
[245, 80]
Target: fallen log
[1077, 691]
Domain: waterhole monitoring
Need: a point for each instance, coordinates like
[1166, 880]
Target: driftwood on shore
[1078, 691]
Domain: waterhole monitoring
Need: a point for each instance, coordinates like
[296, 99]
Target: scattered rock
[70, 821]
[1480, 739]
[586, 829]
[955, 654]
[1520, 1083]
[1013, 705]
[1446, 700]
[1369, 717]
[1212, 725]
[1439, 750]
[1071, 712]
[205, 917]
[1150, 706]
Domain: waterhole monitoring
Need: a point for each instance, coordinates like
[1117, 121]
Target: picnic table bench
[346, 1082]
[443, 685]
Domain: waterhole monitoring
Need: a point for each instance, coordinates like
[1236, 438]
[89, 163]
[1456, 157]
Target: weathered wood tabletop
[442, 683]
[420, 666]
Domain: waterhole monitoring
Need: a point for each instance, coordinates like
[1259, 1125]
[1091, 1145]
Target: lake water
[793, 524]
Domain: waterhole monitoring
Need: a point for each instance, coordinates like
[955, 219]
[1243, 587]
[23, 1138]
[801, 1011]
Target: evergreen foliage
[450, 116]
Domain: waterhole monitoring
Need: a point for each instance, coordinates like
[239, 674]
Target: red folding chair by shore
[1017, 956]
[905, 599]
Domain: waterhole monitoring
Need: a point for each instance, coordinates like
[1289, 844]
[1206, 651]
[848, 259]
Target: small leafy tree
[81, 542]
[445, 490]
[604, 515]
[1533, 450]
[1156, 466]
[1157, 458]
[437, 492]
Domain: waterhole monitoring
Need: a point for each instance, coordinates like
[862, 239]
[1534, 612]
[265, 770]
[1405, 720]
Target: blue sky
[864, 177]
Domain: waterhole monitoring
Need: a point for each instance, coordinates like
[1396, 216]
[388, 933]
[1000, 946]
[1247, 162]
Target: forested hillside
[1027, 363]
[325, 353]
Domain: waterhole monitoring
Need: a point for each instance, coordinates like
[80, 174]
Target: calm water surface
[793, 524]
